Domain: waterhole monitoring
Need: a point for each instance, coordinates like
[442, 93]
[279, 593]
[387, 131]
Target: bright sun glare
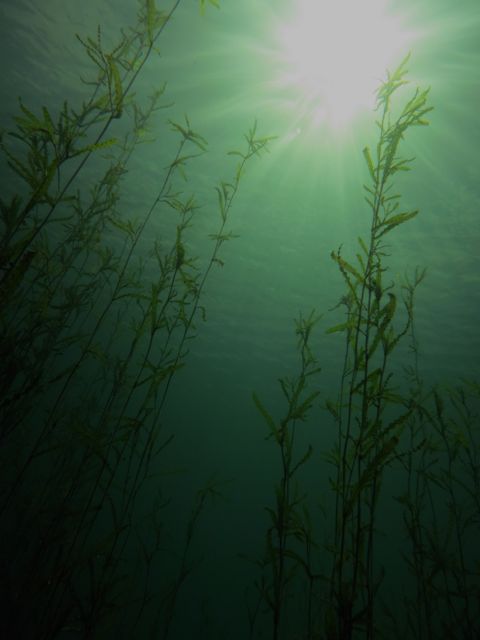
[334, 54]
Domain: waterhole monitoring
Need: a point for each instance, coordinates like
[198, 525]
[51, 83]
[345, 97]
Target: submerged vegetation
[98, 309]
[385, 426]
[94, 327]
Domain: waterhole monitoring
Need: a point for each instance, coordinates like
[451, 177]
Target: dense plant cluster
[94, 328]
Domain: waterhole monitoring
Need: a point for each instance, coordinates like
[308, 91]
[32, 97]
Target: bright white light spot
[334, 54]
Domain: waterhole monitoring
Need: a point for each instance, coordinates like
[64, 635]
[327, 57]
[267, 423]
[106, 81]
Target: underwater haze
[239, 347]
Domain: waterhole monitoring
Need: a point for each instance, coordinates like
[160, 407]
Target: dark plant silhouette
[94, 328]
[379, 426]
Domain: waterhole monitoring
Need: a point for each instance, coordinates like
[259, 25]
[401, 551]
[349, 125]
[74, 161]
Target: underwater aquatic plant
[369, 414]
[441, 509]
[287, 519]
[93, 333]
[367, 439]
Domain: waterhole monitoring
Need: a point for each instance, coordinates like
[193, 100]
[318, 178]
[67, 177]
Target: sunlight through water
[333, 54]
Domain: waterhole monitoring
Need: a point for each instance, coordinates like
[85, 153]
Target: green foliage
[289, 516]
[94, 327]
[441, 506]
[203, 4]
[379, 425]
[367, 442]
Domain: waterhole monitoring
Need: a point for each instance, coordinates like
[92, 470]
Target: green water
[136, 469]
